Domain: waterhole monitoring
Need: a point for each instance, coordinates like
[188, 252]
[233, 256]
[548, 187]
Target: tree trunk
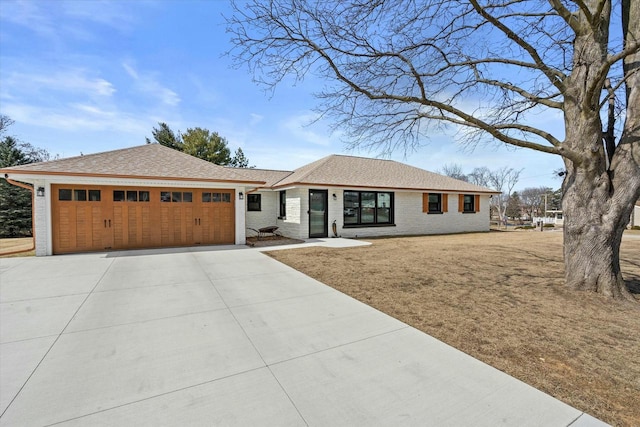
[598, 198]
[593, 227]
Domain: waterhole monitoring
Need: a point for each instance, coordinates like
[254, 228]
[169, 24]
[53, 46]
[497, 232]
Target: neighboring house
[364, 197]
[152, 196]
[635, 215]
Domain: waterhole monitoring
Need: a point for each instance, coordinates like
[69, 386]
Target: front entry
[318, 213]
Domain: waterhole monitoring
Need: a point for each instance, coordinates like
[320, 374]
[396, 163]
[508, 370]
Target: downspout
[33, 229]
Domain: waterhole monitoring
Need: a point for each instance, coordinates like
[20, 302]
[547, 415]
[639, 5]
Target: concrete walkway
[228, 336]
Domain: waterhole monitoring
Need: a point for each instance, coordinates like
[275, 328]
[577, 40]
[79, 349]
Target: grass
[500, 297]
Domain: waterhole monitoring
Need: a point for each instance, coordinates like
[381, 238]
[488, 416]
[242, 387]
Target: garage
[96, 218]
[147, 196]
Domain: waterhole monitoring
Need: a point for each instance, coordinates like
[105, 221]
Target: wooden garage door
[96, 218]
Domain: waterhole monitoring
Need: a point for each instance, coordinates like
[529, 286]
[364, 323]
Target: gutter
[33, 230]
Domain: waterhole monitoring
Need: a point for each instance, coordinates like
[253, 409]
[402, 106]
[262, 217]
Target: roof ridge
[318, 163]
[363, 157]
[258, 169]
[282, 179]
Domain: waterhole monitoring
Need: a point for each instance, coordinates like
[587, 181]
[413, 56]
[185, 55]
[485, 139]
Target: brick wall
[409, 218]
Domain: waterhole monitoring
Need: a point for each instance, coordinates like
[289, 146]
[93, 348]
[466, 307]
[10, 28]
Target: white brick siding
[268, 213]
[408, 216]
[410, 220]
[41, 220]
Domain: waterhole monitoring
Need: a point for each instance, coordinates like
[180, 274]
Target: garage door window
[176, 196]
[216, 197]
[132, 196]
[64, 194]
[78, 195]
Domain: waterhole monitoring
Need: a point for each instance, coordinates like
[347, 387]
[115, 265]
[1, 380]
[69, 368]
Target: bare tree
[532, 199]
[480, 176]
[503, 180]
[5, 122]
[453, 170]
[396, 70]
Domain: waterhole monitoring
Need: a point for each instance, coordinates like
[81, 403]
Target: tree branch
[565, 14]
[525, 94]
[631, 49]
[548, 71]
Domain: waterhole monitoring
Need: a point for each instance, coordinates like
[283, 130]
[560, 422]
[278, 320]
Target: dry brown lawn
[500, 298]
[19, 244]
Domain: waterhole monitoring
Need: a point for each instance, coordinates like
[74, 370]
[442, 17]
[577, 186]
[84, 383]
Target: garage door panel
[104, 217]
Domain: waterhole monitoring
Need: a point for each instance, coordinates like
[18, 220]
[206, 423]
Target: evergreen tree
[239, 160]
[206, 145]
[163, 135]
[15, 202]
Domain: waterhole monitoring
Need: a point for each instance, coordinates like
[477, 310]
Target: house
[634, 221]
[153, 196]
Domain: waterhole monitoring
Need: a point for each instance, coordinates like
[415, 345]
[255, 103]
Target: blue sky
[91, 76]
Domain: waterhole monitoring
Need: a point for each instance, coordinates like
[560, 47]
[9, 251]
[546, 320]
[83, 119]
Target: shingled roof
[149, 161]
[271, 177]
[361, 172]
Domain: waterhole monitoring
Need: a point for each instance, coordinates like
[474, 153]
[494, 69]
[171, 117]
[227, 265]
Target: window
[64, 194]
[435, 203]
[129, 196]
[132, 196]
[118, 196]
[79, 195]
[283, 204]
[214, 197]
[468, 203]
[254, 202]
[367, 208]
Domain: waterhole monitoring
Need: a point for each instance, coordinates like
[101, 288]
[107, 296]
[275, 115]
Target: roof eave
[425, 189]
[36, 174]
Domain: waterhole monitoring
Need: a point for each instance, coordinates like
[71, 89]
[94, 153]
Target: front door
[318, 213]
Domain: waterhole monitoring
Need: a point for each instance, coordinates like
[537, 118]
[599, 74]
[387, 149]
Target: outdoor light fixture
[40, 192]
[241, 195]
[335, 197]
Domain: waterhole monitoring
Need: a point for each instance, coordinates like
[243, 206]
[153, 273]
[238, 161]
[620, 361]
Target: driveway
[229, 336]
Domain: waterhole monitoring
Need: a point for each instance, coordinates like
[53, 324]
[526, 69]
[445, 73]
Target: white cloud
[69, 80]
[149, 85]
[255, 119]
[76, 118]
[300, 127]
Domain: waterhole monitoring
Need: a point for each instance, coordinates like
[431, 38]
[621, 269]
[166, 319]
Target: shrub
[549, 225]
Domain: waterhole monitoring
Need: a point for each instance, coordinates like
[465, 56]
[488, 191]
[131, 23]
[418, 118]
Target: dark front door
[318, 213]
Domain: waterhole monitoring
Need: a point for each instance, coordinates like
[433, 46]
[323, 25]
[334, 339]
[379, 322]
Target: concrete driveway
[228, 336]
